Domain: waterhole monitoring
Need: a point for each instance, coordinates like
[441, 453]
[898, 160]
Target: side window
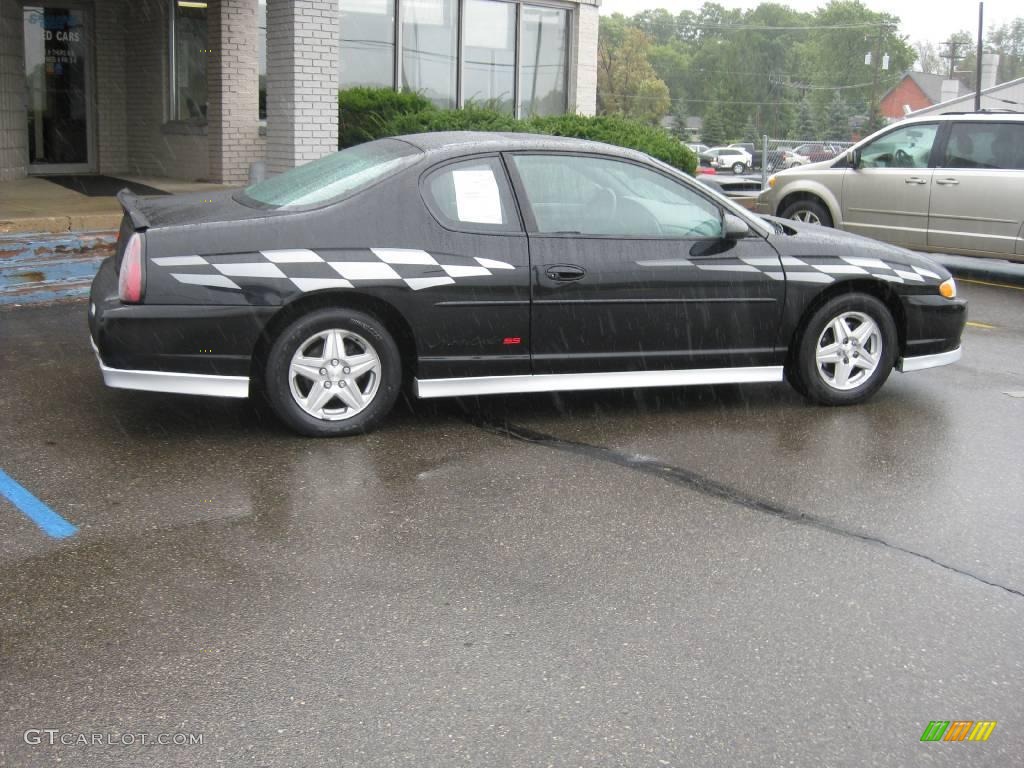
[907, 147]
[472, 195]
[985, 145]
[596, 196]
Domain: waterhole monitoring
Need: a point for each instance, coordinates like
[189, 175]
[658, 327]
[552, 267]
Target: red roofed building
[916, 90]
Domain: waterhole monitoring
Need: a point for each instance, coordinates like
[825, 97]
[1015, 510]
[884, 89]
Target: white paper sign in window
[477, 198]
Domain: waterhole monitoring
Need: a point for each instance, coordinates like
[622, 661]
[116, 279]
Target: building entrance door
[58, 79]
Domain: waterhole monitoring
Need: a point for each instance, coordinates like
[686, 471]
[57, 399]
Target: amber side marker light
[948, 289]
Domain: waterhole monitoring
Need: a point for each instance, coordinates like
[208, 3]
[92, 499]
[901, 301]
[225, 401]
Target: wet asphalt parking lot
[705, 577]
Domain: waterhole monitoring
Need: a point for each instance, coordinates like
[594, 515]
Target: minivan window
[906, 147]
[985, 145]
[332, 177]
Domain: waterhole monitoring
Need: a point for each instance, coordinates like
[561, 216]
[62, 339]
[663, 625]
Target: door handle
[915, 180]
[564, 273]
[947, 182]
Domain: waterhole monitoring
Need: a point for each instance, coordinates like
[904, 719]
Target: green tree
[679, 116]
[1008, 41]
[805, 121]
[673, 66]
[750, 130]
[713, 131]
[626, 82]
[837, 119]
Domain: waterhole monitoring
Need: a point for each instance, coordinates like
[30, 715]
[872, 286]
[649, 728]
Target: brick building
[201, 90]
[918, 90]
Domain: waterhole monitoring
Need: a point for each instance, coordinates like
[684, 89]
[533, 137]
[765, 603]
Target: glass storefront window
[367, 54]
[57, 51]
[188, 70]
[489, 54]
[543, 63]
[429, 42]
[448, 46]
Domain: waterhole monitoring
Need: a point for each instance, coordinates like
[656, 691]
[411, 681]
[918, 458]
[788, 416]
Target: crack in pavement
[709, 487]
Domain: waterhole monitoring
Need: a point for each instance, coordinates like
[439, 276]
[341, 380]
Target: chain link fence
[778, 154]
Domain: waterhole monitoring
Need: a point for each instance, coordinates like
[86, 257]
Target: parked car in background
[752, 150]
[811, 153]
[466, 264]
[776, 155]
[732, 185]
[739, 160]
[945, 183]
[698, 149]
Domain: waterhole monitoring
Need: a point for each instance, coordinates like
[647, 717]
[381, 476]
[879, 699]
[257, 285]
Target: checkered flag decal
[309, 271]
[807, 270]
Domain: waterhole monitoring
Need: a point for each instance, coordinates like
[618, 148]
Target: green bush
[622, 132]
[364, 113]
[372, 113]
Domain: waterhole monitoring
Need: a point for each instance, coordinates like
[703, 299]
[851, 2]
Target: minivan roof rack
[987, 112]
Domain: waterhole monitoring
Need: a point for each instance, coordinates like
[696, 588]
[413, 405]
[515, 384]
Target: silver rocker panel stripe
[563, 382]
[172, 382]
[919, 363]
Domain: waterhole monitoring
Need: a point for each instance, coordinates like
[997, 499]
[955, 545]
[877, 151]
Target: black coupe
[477, 264]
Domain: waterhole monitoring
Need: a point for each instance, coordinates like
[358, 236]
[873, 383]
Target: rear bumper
[172, 382]
[176, 338]
[919, 363]
[181, 349]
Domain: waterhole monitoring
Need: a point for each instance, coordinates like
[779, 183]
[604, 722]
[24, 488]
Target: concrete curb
[981, 268]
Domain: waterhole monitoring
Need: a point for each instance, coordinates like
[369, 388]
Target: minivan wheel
[845, 352]
[809, 212]
[333, 372]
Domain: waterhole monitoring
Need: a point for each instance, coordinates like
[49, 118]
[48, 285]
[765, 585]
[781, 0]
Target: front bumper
[921, 362]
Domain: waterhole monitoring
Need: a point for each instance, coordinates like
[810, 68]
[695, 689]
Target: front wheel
[333, 372]
[738, 168]
[845, 352]
[808, 211]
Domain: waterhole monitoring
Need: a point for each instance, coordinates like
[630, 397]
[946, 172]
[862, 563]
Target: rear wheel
[845, 352]
[333, 372]
[808, 211]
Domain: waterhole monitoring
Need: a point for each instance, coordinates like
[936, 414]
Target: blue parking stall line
[49, 521]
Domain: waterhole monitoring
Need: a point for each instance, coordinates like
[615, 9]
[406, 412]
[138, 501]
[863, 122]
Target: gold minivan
[950, 183]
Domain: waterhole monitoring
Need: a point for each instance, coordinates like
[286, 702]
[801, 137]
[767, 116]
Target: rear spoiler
[130, 202]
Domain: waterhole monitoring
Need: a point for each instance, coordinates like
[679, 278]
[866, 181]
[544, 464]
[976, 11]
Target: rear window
[331, 178]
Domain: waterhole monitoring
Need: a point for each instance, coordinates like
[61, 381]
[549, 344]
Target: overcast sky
[931, 20]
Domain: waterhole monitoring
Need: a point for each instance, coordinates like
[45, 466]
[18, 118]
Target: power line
[758, 28]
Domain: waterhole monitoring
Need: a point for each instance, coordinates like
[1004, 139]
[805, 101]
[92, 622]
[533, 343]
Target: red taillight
[129, 282]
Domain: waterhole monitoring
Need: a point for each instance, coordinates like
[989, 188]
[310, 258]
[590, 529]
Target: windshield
[333, 177]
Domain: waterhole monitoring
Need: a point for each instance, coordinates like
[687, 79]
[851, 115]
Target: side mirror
[855, 158]
[734, 227]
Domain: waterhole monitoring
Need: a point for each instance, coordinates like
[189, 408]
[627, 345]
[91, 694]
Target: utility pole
[977, 90]
[877, 61]
[953, 55]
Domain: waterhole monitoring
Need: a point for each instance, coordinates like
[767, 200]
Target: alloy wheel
[848, 351]
[334, 374]
[806, 216]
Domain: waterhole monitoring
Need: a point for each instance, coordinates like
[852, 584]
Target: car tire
[738, 168]
[809, 212]
[326, 352]
[832, 366]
